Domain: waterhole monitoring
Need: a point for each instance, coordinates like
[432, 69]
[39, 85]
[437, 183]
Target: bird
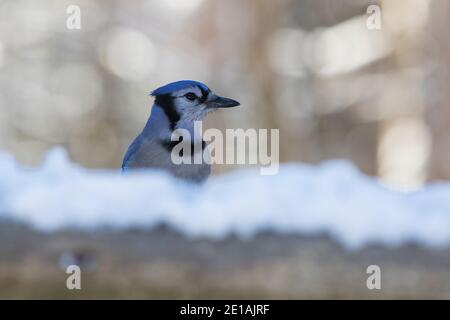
[177, 105]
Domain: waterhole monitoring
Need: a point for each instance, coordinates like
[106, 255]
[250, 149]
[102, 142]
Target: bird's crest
[178, 85]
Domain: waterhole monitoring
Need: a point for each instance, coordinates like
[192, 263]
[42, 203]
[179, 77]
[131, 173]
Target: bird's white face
[191, 103]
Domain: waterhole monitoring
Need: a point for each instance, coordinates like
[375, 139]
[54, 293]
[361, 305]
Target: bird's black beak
[221, 102]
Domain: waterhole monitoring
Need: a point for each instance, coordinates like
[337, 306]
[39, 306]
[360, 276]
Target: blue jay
[177, 105]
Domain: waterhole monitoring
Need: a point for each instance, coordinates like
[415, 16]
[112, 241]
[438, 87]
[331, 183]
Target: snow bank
[332, 197]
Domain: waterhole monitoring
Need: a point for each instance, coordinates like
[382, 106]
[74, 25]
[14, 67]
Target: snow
[333, 198]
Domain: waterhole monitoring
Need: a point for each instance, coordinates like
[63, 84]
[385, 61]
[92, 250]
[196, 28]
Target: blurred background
[313, 69]
[310, 68]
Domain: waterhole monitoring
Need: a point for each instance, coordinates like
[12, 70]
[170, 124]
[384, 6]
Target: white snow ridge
[333, 197]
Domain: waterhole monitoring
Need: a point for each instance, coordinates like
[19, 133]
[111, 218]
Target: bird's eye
[190, 96]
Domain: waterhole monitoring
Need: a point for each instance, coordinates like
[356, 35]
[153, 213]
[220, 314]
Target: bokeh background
[310, 68]
[334, 88]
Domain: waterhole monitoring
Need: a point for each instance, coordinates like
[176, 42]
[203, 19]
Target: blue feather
[132, 149]
[178, 85]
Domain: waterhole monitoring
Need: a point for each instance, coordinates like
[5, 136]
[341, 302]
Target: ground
[161, 263]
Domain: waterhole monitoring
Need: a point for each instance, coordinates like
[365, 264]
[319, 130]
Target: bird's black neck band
[169, 145]
[165, 102]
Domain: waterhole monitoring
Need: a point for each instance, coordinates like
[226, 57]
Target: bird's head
[187, 101]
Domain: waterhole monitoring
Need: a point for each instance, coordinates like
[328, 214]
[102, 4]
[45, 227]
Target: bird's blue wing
[132, 149]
